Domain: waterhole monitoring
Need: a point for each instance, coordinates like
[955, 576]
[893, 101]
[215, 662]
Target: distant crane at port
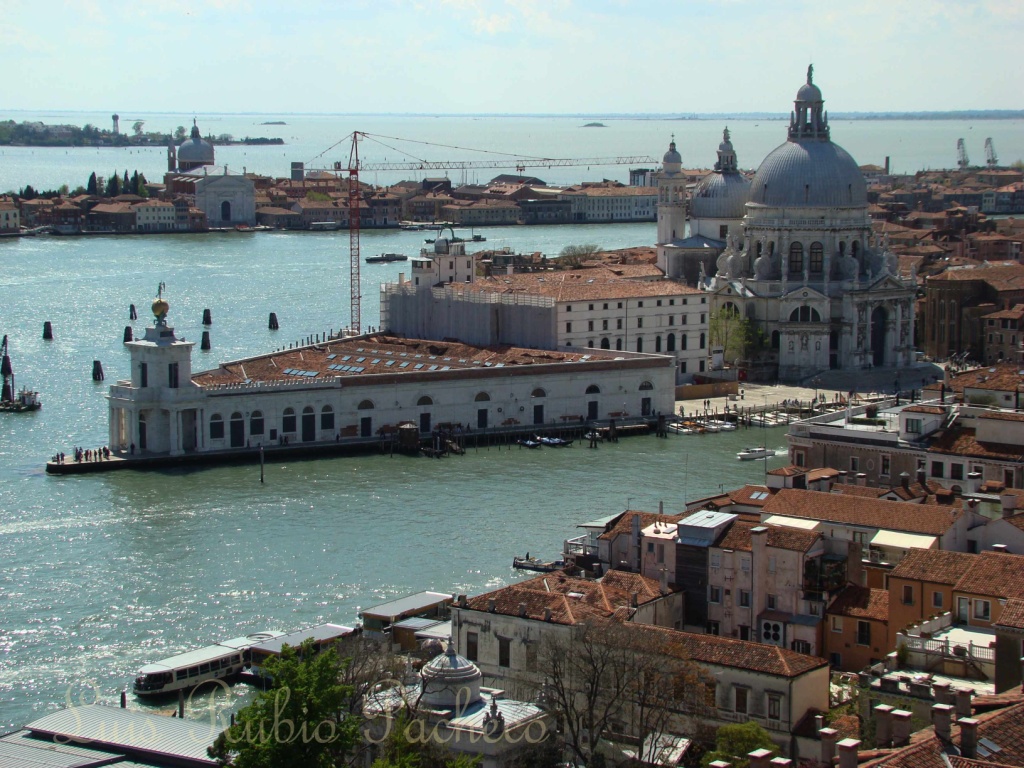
[990, 153]
[962, 161]
[355, 165]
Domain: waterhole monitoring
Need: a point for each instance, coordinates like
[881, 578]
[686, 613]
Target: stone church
[803, 265]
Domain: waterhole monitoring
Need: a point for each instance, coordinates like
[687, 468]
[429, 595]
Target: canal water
[104, 573]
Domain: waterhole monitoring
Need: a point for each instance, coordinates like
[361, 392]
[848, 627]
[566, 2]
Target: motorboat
[554, 442]
[536, 564]
[386, 258]
[760, 452]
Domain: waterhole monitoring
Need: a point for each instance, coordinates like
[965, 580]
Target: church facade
[804, 267]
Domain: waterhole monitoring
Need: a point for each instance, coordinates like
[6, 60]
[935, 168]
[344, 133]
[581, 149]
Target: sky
[510, 56]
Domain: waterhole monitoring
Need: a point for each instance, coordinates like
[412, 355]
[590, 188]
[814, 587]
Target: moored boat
[187, 670]
[536, 564]
[26, 399]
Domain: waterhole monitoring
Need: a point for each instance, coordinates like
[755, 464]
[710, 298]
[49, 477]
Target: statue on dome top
[810, 74]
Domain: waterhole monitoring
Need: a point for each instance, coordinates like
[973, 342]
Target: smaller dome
[194, 150]
[720, 196]
[672, 156]
[809, 91]
[450, 679]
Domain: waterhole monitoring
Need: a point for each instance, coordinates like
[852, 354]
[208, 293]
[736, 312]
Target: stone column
[174, 438]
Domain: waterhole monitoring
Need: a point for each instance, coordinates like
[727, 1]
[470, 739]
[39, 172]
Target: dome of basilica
[809, 171]
[720, 196]
[194, 150]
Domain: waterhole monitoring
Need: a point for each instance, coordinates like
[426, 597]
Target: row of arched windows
[670, 343]
[815, 255]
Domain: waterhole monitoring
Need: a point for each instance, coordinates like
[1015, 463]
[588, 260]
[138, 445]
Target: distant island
[38, 134]
[274, 122]
[595, 125]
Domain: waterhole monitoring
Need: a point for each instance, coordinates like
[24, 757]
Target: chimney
[963, 702]
[900, 728]
[634, 599]
[1008, 502]
[968, 737]
[886, 165]
[941, 691]
[842, 477]
[819, 723]
[663, 580]
[973, 481]
[780, 762]
[491, 605]
[969, 505]
[942, 719]
[848, 753]
[905, 480]
[760, 758]
[921, 476]
[510, 269]
[719, 764]
[883, 725]
[522, 609]
[462, 601]
[401, 277]
[828, 744]
[547, 614]
[1000, 548]
[862, 479]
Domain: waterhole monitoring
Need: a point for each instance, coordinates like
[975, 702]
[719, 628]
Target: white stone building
[10, 216]
[340, 390]
[155, 216]
[619, 307]
[807, 271]
[609, 201]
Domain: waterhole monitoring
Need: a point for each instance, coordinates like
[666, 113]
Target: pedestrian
[133, 449]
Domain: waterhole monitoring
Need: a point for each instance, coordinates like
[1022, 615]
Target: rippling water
[104, 573]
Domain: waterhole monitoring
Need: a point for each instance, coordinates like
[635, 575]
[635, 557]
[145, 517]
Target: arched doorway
[879, 320]
[225, 211]
[308, 424]
[237, 430]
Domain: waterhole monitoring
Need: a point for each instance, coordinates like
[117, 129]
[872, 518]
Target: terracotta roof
[1012, 615]
[751, 495]
[936, 410]
[1001, 277]
[739, 654]
[933, 565]
[864, 491]
[737, 537]
[371, 355]
[599, 283]
[791, 471]
[1003, 727]
[964, 442]
[862, 603]
[1002, 416]
[821, 473]
[570, 600]
[994, 573]
[929, 519]
[1004, 377]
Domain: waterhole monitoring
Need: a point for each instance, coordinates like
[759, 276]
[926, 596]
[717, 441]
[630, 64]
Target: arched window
[618, 344]
[225, 211]
[703, 341]
[646, 386]
[817, 258]
[593, 389]
[605, 343]
[538, 393]
[670, 343]
[216, 427]
[288, 420]
[308, 409]
[657, 343]
[639, 343]
[327, 417]
[256, 423]
[482, 397]
[365, 405]
[805, 314]
[775, 340]
[796, 258]
[425, 400]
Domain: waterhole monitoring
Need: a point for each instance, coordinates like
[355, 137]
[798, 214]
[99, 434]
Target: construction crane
[355, 165]
[990, 153]
[962, 160]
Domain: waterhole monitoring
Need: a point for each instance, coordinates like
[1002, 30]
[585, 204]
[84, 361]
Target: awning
[601, 522]
[792, 522]
[903, 540]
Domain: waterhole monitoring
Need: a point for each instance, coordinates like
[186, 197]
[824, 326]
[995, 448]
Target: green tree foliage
[574, 255]
[113, 185]
[126, 183]
[399, 751]
[302, 721]
[28, 193]
[137, 127]
[91, 186]
[318, 196]
[735, 741]
[180, 133]
[728, 329]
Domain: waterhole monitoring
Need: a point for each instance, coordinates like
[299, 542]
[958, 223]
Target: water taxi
[749, 454]
[187, 670]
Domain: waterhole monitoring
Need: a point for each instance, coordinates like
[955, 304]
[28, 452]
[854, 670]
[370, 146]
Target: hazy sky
[510, 56]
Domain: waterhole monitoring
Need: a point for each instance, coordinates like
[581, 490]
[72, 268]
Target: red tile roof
[929, 519]
[933, 565]
[624, 524]
[994, 573]
[964, 442]
[1012, 615]
[862, 603]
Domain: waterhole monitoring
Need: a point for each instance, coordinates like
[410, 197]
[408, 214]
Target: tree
[113, 185]
[91, 187]
[28, 193]
[574, 255]
[728, 329]
[137, 127]
[605, 676]
[735, 741]
[303, 720]
[126, 183]
[180, 133]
